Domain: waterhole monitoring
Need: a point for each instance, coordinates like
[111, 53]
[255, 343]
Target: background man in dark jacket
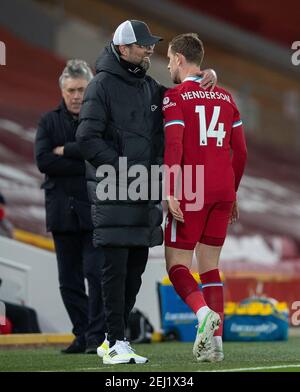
[68, 214]
[121, 117]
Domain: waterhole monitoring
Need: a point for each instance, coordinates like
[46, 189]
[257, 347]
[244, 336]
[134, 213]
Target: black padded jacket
[121, 118]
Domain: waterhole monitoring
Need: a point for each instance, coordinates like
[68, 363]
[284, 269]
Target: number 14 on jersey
[205, 132]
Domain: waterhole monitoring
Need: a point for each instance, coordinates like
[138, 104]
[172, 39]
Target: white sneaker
[205, 331]
[215, 354]
[103, 348]
[122, 352]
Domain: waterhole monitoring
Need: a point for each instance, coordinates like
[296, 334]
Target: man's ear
[123, 49]
[179, 58]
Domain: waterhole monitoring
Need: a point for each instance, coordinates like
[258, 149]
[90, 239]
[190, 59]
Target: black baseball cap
[134, 31]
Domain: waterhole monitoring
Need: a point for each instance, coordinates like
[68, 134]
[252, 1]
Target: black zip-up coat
[67, 203]
[121, 117]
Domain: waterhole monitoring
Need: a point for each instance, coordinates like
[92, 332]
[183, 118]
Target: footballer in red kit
[202, 129]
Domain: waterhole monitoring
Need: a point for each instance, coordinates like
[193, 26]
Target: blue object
[254, 328]
[248, 328]
[176, 317]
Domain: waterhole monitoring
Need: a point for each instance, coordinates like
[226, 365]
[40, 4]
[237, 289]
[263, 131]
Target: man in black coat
[68, 214]
[121, 118]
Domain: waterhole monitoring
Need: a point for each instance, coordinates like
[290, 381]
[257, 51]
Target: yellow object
[255, 308]
[230, 308]
[33, 239]
[166, 281]
[156, 337]
[241, 310]
[282, 307]
[35, 338]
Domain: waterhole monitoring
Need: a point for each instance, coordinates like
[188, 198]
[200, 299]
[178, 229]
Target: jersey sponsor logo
[166, 100]
[169, 105]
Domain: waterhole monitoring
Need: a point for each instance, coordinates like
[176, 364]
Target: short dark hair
[190, 46]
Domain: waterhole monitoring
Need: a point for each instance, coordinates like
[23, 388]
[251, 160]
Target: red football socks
[186, 287]
[212, 289]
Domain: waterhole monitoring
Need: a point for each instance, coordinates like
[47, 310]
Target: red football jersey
[204, 128]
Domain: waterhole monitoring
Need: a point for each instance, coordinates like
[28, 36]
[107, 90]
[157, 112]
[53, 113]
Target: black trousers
[123, 268]
[77, 259]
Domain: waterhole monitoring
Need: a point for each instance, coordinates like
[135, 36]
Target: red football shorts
[207, 226]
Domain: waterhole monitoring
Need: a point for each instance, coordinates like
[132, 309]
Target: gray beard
[145, 64]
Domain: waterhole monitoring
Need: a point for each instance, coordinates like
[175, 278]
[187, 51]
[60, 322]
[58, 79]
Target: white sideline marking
[76, 369]
[252, 368]
[93, 368]
[201, 371]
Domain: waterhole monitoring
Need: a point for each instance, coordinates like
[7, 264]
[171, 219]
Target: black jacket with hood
[121, 117]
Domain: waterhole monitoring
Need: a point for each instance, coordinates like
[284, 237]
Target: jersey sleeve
[238, 146]
[237, 122]
[172, 111]
[174, 129]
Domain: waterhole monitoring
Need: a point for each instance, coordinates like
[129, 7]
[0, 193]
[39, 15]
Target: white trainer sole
[111, 361]
[203, 338]
[101, 351]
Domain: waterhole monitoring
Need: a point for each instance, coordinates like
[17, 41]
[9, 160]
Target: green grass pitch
[163, 357]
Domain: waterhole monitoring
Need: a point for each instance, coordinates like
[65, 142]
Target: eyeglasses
[148, 47]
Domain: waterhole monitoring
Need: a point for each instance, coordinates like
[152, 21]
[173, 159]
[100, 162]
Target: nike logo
[133, 70]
